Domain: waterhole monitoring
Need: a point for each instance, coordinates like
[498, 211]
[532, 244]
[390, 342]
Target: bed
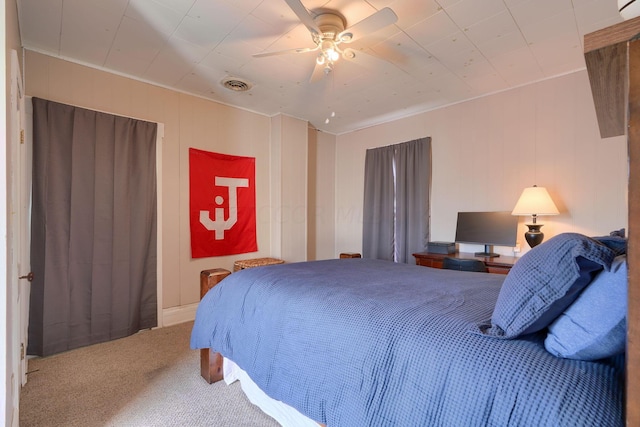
[362, 342]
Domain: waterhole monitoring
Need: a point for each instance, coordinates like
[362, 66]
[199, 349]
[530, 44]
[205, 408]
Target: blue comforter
[359, 342]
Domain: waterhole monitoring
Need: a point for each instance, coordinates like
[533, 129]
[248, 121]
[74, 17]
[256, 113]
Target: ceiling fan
[328, 32]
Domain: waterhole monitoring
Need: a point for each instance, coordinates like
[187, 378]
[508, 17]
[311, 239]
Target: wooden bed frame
[613, 62]
[210, 361]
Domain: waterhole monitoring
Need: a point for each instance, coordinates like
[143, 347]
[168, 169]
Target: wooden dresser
[500, 265]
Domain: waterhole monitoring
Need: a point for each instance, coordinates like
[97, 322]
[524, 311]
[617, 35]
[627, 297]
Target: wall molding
[174, 315]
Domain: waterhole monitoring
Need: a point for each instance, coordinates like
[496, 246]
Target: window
[396, 200]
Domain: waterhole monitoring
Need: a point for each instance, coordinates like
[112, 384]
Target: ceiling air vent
[235, 84]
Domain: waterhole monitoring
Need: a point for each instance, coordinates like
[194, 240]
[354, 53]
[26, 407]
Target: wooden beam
[633, 251]
[606, 59]
[622, 32]
[623, 36]
[607, 69]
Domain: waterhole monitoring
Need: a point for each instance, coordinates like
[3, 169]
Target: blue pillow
[595, 325]
[544, 282]
[615, 242]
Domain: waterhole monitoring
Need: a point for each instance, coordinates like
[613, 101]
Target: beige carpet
[149, 379]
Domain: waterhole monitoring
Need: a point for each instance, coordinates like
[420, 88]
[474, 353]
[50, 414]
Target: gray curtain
[93, 227]
[378, 212]
[396, 200]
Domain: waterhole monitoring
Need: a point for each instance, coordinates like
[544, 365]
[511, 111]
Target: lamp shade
[535, 201]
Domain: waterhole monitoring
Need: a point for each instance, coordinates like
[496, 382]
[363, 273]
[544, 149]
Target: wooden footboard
[211, 361]
[210, 365]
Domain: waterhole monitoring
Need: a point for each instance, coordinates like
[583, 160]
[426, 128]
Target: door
[17, 239]
[20, 179]
[24, 223]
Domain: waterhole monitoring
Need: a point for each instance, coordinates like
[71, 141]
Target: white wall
[321, 197]
[291, 208]
[189, 122]
[485, 151]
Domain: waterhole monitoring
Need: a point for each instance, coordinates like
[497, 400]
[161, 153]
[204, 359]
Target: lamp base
[534, 236]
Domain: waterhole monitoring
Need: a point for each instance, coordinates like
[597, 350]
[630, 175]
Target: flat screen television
[488, 229]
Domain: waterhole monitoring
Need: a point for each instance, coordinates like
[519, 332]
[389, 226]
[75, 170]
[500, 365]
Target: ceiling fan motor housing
[330, 24]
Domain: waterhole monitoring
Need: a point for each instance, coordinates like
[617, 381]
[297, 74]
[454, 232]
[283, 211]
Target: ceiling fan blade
[286, 51]
[368, 25]
[366, 60]
[304, 16]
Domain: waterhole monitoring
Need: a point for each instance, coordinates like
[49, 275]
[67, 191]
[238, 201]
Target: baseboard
[174, 315]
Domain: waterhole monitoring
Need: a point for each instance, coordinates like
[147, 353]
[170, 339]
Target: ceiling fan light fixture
[329, 52]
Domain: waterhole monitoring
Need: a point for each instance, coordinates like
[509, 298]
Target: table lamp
[535, 201]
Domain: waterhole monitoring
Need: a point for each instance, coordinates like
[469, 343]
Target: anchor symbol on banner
[219, 225]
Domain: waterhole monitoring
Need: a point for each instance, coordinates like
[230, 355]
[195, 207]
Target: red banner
[222, 204]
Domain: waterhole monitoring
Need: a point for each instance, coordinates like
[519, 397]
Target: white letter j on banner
[219, 225]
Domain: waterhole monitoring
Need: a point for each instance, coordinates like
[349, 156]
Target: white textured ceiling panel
[41, 24]
[438, 52]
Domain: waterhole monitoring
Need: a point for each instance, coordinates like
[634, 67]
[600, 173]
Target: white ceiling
[439, 52]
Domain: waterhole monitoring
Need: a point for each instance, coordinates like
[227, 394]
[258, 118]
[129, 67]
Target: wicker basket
[256, 262]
